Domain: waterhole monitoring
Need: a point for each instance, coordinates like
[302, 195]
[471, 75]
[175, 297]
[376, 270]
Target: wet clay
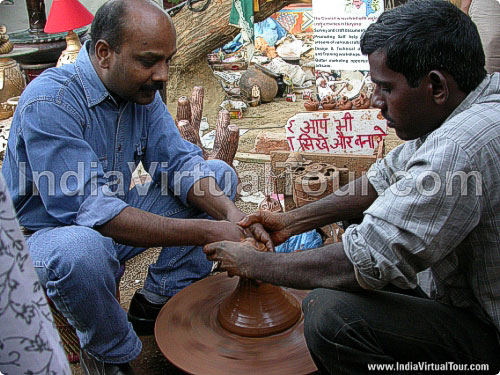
[190, 335]
[257, 309]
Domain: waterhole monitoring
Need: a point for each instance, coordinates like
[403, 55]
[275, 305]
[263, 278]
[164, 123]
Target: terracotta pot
[257, 77]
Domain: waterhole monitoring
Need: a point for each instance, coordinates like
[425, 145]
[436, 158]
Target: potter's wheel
[189, 334]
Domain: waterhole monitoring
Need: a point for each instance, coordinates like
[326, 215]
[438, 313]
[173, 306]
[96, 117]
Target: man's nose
[377, 100]
[161, 73]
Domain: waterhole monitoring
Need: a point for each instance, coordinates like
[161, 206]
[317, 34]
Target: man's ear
[439, 85]
[103, 53]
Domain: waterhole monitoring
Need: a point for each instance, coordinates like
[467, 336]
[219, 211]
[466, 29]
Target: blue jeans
[346, 332]
[77, 266]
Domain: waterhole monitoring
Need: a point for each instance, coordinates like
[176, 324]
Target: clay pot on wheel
[257, 77]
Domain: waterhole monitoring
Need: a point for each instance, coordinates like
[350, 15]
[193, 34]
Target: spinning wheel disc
[189, 334]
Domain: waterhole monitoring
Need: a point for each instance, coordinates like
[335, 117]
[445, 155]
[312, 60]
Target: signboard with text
[338, 25]
[336, 132]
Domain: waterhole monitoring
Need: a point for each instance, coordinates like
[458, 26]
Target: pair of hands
[236, 257]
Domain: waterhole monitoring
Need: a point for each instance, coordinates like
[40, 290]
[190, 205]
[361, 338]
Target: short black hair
[423, 35]
[109, 25]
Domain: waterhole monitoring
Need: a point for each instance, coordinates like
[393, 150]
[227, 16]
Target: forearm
[326, 267]
[207, 197]
[139, 228]
[348, 202]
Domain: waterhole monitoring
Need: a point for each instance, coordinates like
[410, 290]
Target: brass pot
[12, 81]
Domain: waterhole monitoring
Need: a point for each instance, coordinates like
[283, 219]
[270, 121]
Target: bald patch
[140, 6]
[143, 17]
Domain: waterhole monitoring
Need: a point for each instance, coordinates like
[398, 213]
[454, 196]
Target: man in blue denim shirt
[78, 134]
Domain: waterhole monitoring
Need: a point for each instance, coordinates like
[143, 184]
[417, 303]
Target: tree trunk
[198, 34]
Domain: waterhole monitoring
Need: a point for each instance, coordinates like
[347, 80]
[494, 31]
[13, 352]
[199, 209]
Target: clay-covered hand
[260, 234]
[272, 222]
[236, 258]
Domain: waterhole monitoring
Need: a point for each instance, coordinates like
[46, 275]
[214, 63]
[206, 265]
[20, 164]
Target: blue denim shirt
[72, 150]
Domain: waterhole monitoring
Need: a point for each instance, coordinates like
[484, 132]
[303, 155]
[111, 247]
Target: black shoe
[142, 314]
[91, 366]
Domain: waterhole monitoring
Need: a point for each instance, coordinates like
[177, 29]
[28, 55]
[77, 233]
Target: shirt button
[119, 147]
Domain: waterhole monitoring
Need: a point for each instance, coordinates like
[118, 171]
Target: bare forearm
[207, 197]
[349, 202]
[326, 267]
[135, 227]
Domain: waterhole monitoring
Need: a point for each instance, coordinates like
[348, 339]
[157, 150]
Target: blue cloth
[72, 149]
[233, 45]
[303, 241]
[269, 29]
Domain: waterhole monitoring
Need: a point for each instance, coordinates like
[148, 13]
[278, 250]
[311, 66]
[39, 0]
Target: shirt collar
[94, 89]
[472, 97]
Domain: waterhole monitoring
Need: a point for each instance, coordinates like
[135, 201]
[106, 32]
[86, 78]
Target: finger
[262, 236]
[248, 233]
[249, 220]
[208, 249]
[211, 248]
[269, 244]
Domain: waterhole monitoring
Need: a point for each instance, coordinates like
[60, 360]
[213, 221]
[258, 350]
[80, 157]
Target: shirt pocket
[103, 161]
[140, 149]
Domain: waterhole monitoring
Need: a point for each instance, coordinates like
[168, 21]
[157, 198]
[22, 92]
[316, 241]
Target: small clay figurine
[255, 96]
[362, 102]
[329, 103]
[344, 104]
[270, 204]
[311, 104]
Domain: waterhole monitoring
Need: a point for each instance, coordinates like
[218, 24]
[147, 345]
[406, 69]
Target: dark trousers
[345, 332]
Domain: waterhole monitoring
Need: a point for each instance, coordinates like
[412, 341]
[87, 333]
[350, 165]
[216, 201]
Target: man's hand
[237, 258]
[267, 223]
[260, 234]
[223, 231]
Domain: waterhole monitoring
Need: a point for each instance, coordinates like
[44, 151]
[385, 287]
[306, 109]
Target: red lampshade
[67, 15]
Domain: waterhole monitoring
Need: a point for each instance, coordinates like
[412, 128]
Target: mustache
[153, 86]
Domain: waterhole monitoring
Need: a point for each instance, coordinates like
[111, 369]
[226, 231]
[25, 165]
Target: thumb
[249, 220]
